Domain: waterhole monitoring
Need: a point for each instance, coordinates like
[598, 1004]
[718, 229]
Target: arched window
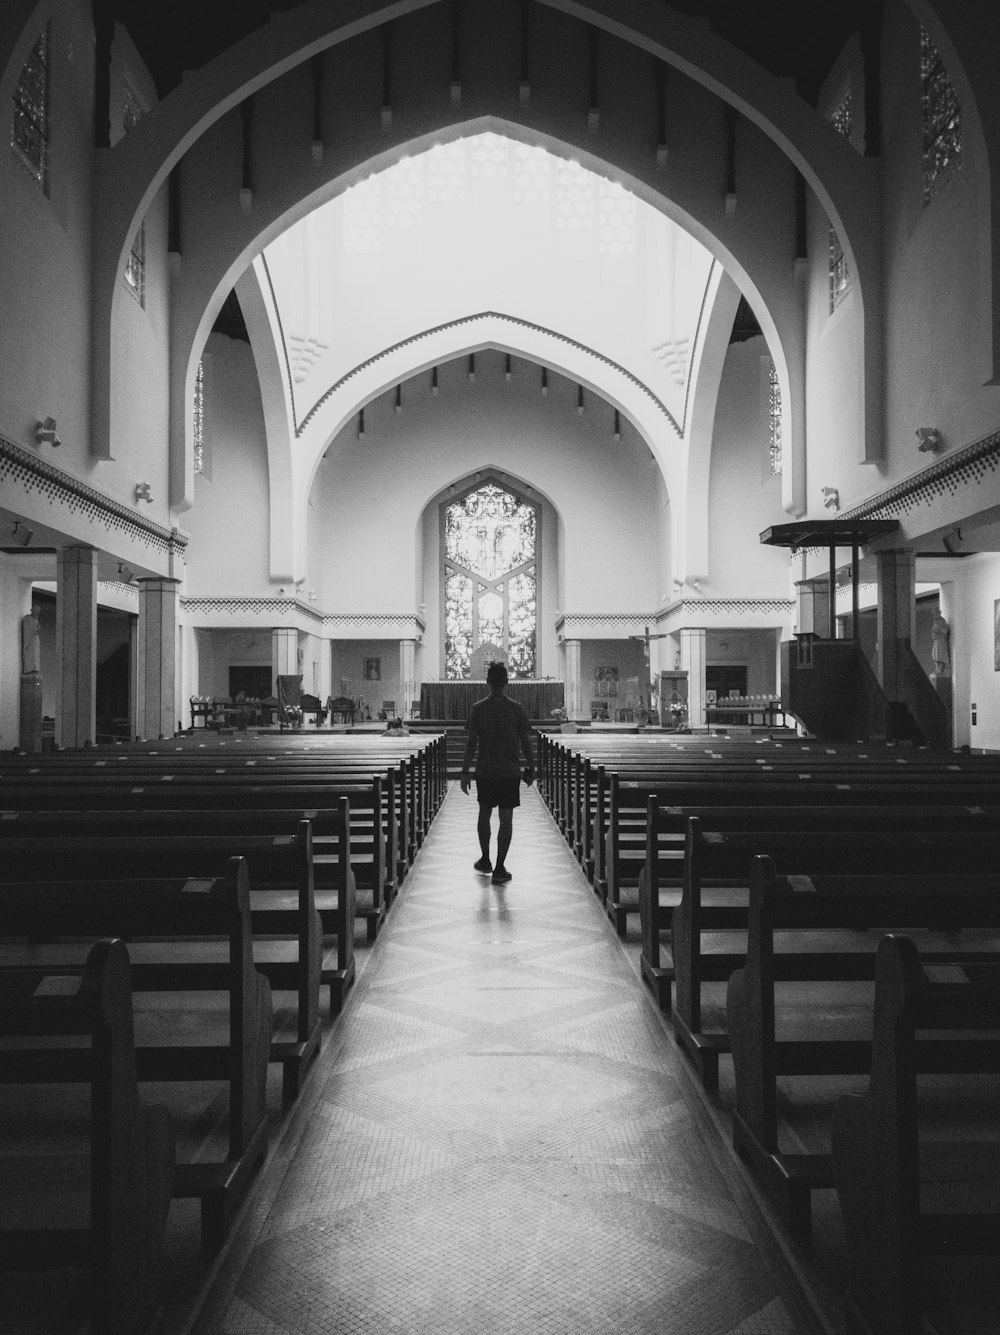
[29, 136]
[490, 578]
[942, 118]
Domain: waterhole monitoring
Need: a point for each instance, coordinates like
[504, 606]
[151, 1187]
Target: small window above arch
[29, 138]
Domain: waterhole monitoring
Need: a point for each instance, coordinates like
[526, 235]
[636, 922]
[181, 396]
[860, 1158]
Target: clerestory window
[942, 117]
[29, 138]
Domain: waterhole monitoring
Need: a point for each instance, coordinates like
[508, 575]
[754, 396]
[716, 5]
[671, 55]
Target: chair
[341, 709]
[389, 708]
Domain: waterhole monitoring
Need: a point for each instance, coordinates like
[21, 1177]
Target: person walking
[498, 731]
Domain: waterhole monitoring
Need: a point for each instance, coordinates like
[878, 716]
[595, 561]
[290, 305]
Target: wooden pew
[818, 916]
[288, 930]
[723, 862]
[183, 911]
[122, 1194]
[374, 850]
[903, 1197]
[661, 877]
[624, 810]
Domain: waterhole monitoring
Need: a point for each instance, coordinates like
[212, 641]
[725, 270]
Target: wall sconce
[143, 492]
[434, 382]
[45, 432]
[361, 424]
[399, 398]
[831, 498]
[22, 536]
[929, 438]
[618, 427]
[579, 400]
[545, 382]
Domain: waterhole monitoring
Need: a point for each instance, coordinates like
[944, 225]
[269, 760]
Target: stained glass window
[135, 266]
[29, 137]
[942, 120]
[774, 419]
[199, 418]
[840, 273]
[490, 579]
[132, 109]
[842, 119]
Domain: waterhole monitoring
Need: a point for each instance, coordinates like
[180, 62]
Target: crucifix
[645, 642]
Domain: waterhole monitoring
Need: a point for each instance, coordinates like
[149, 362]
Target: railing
[922, 700]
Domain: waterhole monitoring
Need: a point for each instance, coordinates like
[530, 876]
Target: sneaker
[501, 876]
[484, 864]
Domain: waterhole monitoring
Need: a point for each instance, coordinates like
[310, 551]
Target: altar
[453, 700]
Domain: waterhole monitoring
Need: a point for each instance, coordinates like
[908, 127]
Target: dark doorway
[254, 682]
[113, 686]
[726, 680]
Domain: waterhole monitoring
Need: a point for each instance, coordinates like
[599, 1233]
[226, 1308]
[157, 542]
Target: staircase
[829, 686]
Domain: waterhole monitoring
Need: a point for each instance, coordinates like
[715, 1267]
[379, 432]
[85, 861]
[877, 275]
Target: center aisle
[499, 1136]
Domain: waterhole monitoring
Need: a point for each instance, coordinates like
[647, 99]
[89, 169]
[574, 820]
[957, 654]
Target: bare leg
[504, 835]
[483, 830]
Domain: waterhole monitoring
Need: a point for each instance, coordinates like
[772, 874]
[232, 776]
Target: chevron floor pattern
[500, 1137]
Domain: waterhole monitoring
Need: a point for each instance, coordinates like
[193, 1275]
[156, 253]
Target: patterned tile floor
[500, 1136]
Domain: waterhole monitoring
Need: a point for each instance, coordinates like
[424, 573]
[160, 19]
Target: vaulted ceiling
[798, 39]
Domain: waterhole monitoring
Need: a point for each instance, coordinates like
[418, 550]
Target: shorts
[498, 791]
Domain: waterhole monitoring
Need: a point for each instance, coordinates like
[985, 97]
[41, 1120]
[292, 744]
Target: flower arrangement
[559, 714]
[293, 715]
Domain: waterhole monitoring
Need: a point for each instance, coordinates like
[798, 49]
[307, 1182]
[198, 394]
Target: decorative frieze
[373, 626]
[292, 612]
[116, 591]
[963, 468]
[706, 611]
[602, 625]
[24, 469]
[493, 316]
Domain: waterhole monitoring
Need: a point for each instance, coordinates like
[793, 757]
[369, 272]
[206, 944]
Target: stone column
[895, 572]
[407, 676]
[574, 696]
[76, 645]
[156, 715]
[693, 663]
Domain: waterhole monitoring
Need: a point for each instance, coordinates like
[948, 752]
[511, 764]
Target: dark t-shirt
[498, 724]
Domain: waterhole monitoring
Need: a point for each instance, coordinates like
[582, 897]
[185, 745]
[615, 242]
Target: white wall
[744, 498]
[228, 522]
[45, 270]
[936, 271]
[371, 495]
[754, 648]
[973, 621]
[219, 650]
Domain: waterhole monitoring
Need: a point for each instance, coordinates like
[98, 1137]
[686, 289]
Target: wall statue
[31, 660]
[940, 651]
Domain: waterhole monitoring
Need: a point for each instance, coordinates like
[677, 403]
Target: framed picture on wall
[373, 669]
